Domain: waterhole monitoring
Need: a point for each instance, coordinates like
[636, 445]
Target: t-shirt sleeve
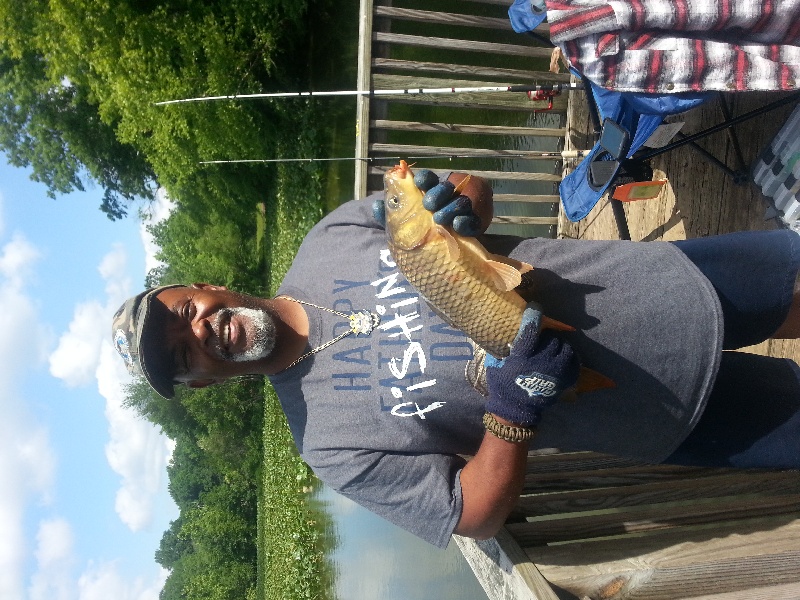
[419, 492]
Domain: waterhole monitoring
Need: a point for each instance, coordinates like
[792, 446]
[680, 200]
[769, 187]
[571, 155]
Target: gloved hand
[539, 367]
[450, 211]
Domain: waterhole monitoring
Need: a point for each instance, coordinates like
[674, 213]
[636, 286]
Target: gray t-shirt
[384, 419]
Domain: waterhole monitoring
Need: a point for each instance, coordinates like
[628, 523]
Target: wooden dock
[498, 135]
[597, 527]
[588, 526]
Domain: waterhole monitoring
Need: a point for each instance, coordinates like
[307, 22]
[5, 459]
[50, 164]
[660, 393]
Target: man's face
[211, 333]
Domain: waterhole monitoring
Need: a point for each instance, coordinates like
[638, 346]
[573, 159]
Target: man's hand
[448, 208]
[539, 367]
[469, 213]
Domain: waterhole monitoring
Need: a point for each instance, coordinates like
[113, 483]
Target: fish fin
[461, 185]
[503, 276]
[452, 243]
[548, 323]
[590, 380]
[475, 246]
[520, 266]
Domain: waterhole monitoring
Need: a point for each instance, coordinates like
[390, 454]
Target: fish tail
[590, 380]
[548, 323]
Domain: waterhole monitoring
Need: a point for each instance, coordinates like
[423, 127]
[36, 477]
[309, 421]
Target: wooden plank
[462, 45]
[668, 548]
[532, 77]
[524, 198]
[363, 82]
[465, 128]
[503, 569]
[448, 19]
[695, 488]
[704, 577]
[787, 591]
[587, 479]
[463, 152]
[488, 101]
[496, 100]
[509, 175]
[641, 519]
[511, 220]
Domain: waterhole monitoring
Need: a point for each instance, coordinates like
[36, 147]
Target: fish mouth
[403, 170]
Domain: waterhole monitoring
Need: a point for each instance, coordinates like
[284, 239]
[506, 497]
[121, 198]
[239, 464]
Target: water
[373, 559]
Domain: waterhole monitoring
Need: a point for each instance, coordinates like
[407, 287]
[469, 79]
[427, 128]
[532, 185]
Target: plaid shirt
[662, 46]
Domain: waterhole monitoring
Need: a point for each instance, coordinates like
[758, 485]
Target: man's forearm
[490, 486]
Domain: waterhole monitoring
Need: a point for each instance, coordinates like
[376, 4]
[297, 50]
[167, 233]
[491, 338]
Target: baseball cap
[137, 342]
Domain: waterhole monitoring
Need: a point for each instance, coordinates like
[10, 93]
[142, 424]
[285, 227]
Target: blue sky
[83, 486]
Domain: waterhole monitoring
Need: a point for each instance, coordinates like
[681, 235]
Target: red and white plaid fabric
[664, 46]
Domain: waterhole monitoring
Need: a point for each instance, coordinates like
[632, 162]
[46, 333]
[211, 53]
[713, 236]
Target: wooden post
[362, 103]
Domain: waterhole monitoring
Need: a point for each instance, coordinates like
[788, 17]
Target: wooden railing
[594, 526]
[465, 50]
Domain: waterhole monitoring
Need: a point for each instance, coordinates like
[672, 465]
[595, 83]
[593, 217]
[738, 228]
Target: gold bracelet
[508, 433]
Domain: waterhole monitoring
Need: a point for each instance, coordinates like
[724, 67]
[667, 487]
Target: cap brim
[154, 357]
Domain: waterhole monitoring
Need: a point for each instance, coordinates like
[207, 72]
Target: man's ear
[207, 286]
[201, 383]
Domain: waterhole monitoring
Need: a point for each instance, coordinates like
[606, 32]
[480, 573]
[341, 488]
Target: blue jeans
[752, 418]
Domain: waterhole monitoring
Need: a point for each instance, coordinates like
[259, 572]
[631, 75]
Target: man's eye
[186, 310]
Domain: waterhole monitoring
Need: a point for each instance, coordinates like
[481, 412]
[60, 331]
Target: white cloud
[103, 581]
[27, 461]
[158, 210]
[75, 359]
[17, 258]
[27, 465]
[137, 451]
[55, 559]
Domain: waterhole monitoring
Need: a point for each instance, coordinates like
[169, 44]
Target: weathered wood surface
[463, 46]
[606, 528]
[438, 43]
[465, 128]
[364, 81]
[504, 569]
[489, 100]
[530, 77]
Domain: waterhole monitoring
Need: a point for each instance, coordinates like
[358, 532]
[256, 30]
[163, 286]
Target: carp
[468, 287]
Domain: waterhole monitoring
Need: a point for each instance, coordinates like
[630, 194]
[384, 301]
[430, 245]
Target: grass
[294, 534]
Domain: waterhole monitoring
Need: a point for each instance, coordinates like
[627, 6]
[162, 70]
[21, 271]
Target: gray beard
[260, 332]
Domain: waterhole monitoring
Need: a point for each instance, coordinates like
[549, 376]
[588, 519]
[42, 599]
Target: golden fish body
[469, 288]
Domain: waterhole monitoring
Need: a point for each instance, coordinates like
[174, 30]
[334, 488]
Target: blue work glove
[539, 367]
[448, 210]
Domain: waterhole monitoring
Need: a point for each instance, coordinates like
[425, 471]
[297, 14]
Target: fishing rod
[555, 87]
[529, 155]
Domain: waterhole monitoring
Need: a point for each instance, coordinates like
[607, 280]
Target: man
[383, 405]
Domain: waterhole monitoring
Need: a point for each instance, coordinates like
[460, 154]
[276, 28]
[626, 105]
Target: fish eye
[393, 201]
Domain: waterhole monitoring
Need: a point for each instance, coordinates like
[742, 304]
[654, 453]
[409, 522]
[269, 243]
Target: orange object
[638, 190]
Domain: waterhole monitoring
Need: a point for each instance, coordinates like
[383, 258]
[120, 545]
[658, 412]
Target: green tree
[53, 129]
[81, 79]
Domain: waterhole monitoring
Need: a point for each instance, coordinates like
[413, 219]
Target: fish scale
[457, 293]
[456, 287]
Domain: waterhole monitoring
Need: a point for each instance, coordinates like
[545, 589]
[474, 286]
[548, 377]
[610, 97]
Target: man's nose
[202, 330]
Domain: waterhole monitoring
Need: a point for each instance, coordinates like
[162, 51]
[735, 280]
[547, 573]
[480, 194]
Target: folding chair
[623, 122]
